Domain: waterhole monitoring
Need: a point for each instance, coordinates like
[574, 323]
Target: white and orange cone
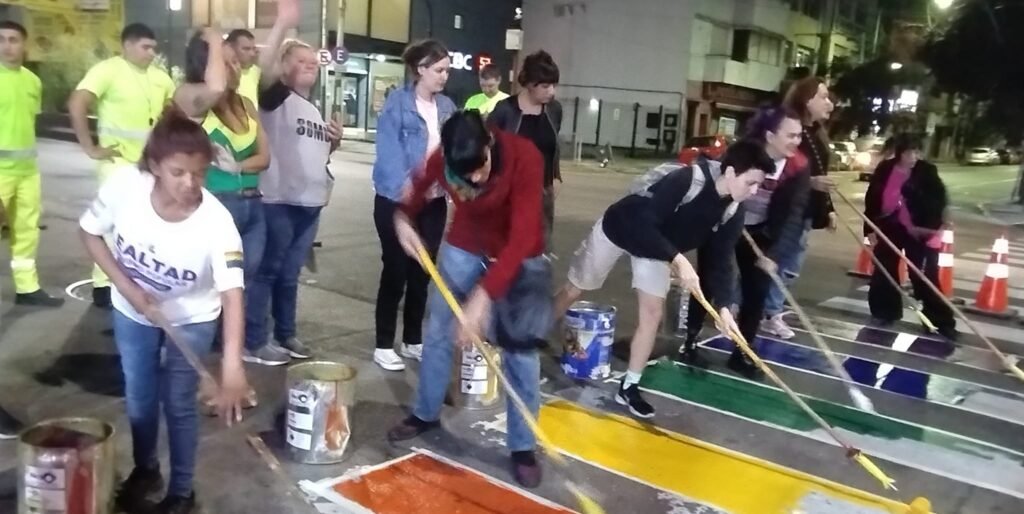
[993, 298]
[864, 266]
[946, 263]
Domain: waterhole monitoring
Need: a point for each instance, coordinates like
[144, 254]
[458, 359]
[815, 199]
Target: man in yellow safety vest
[20, 187]
[489, 95]
[244, 44]
[129, 94]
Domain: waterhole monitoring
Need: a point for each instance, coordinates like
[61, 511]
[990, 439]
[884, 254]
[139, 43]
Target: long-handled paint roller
[851, 451]
[208, 388]
[587, 504]
[1009, 364]
[859, 398]
[914, 304]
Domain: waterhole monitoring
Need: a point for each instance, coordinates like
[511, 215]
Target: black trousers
[401, 274]
[885, 301]
[754, 284]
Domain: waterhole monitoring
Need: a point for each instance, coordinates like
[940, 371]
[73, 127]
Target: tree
[864, 92]
[975, 52]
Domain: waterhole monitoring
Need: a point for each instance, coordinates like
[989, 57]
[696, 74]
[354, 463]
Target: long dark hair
[174, 133]
[231, 107]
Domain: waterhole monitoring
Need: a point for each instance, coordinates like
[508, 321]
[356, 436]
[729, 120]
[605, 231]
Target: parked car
[1009, 155]
[865, 162]
[983, 155]
[843, 153]
[710, 146]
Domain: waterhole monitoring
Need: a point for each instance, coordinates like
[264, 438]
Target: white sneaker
[777, 327]
[412, 351]
[388, 359]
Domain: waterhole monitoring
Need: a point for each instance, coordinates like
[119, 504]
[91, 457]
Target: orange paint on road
[422, 484]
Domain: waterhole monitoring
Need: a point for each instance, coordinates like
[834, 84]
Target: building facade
[652, 74]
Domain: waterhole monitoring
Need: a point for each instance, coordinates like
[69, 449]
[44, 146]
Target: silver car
[982, 155]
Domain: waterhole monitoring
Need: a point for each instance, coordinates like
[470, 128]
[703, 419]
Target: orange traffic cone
[946, 263]
[865, 267]
[992, 299]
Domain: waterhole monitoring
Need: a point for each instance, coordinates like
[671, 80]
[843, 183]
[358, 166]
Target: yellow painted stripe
[691, 468]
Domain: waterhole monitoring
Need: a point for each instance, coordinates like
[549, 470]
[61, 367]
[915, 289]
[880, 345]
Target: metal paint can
[318, 426]
[589, 335]
[474, 386]
[66, 466]
[677, 306]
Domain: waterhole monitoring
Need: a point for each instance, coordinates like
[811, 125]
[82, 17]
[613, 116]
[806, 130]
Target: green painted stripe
[934, 451]
[770, 405]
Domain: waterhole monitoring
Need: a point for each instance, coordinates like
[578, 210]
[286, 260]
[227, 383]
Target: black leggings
[401, 274]
[885, 301]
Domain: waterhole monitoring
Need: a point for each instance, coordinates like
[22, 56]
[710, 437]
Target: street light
[943, 4]
[174, 5]
[896, 66]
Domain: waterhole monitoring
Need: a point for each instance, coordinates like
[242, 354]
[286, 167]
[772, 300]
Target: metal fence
[634, 130]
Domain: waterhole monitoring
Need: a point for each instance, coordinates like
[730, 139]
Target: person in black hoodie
[907, 199]
[536, 115]
[809, 98]
[777, 207]
[672, 209]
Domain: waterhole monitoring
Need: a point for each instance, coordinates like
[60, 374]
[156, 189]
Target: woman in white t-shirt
[176, 260]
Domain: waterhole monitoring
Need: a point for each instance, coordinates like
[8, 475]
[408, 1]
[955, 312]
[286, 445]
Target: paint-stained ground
[949, 425]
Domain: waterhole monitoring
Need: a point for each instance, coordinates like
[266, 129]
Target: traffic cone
[992, 299]
[946, 263]
[865, 267]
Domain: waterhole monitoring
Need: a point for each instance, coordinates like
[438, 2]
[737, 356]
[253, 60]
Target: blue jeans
[291, 230]
[247, 214]
[148, 383]
[462, 271]
[789, 270]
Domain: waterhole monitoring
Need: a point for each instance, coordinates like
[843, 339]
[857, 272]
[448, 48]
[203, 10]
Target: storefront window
[357, 17]
[223, 13]
[385, 77]
[389, 19]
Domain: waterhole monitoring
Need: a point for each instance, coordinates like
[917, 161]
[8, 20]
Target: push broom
[587, 504]
[1009, 364]
[859, 398]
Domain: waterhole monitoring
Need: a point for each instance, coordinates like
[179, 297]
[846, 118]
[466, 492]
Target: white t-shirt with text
[184, 265]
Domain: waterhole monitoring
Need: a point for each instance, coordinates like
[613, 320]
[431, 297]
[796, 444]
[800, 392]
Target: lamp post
[173, 6]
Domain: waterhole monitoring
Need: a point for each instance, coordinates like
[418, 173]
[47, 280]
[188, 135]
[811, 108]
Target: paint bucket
[66, 466]
[318, 426]
[589, 334]
[474, 386]
[677, 306]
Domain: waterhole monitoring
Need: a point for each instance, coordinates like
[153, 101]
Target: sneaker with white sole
[388, 359]
[269, 355]
[295, 348]
[412, 351]
[777, 327]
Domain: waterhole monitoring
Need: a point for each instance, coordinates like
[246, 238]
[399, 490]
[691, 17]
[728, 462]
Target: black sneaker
[136, 490]
[949, 333]
[10, 427]
[411, 428]
[101, 297]
[39, 298]
[630, 397]
[740, 363]
[177, 505]
[525, 469]
[691, 354]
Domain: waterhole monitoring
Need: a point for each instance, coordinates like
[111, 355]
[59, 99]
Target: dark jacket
[659, 223]
[507, 116]
[819, 205]
[781, 231]
[924, 194]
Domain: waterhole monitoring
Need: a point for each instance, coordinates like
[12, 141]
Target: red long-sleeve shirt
[504, 222]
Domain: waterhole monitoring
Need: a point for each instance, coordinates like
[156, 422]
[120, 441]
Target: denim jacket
[402, 140]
